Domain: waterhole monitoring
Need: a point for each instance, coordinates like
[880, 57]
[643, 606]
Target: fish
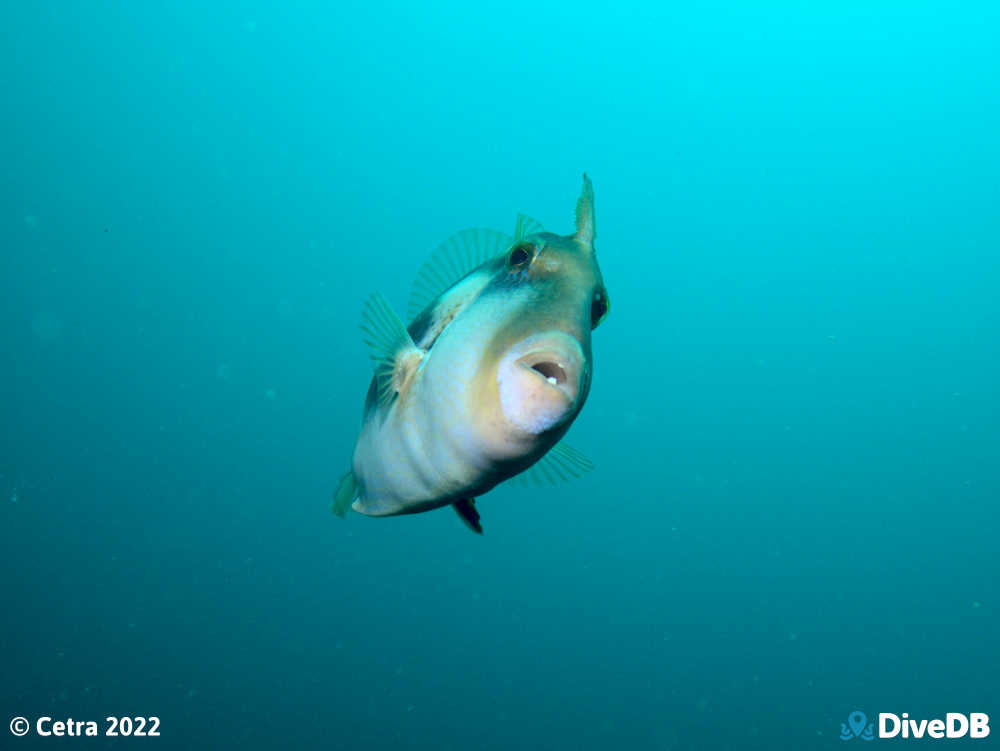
[487, 378]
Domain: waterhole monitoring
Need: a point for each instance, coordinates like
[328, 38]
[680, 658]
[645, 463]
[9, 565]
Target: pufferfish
[489, 375]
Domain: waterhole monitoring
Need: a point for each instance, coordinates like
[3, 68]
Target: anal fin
[562, 462]
[466, 510]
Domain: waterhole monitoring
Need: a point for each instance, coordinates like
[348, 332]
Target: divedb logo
[954, 725]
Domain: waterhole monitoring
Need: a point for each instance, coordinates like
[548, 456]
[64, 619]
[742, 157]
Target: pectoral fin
[395, 356]
[466, 510]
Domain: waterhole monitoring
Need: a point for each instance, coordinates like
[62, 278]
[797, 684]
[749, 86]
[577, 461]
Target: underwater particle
[270, 394]
[250, 26]
[223, 371]
[976, 604]
[46, 326]
[831, 337]
[31, 221]
[14, 497]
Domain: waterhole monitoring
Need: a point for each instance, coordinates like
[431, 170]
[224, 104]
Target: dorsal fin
[586, 228]
[562, 462]
[526, 226]
[452, 260]
[390, 347]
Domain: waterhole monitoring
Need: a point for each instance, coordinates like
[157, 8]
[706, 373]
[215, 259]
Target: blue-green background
[794, 413]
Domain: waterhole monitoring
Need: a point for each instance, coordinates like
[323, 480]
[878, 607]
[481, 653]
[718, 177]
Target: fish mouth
[554, 369]
[540, 381]
[556, 360]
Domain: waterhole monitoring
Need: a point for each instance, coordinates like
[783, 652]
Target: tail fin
[347, 491]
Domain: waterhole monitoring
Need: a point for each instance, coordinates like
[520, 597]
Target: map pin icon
[857, 722]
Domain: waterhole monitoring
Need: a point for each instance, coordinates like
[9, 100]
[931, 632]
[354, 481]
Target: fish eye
[520, 255]
[599, 306]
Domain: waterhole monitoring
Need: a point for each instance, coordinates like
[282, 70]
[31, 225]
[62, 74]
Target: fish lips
[557, 369]
[540, 381]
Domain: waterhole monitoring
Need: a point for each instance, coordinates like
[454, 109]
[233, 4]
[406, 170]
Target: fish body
[487, 377]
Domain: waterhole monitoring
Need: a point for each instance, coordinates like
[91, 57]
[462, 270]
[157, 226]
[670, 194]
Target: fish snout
[540, 381]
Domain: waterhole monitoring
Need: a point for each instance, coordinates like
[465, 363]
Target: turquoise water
[794, 413]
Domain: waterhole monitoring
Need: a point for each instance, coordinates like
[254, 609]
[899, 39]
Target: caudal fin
[347, 491]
